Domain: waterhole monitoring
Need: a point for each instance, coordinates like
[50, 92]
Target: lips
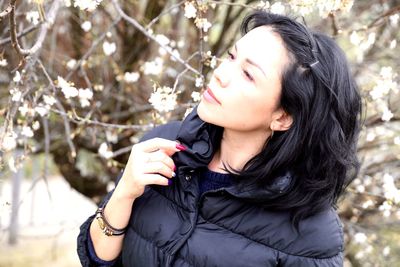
[212, 95]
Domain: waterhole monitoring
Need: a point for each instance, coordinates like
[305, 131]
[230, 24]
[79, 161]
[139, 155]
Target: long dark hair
[319, 149]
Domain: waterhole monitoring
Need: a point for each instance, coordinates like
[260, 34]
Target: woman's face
[246, 85]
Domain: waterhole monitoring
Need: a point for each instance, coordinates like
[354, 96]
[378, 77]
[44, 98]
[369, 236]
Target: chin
[205, 114]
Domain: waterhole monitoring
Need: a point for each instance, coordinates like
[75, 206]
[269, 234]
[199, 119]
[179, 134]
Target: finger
[152, 178]
[160, 155]
[159, 167]
[159, 143]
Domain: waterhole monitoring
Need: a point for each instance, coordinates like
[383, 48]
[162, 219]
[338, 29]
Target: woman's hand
[149, 162]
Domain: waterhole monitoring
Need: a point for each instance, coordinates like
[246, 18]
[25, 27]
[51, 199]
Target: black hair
[320, 94]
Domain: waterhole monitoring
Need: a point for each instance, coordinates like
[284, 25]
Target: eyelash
[245, 72]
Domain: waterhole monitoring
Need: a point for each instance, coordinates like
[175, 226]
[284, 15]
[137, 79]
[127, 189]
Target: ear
[281, 120]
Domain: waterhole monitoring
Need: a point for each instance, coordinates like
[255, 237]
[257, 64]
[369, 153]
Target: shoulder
[319, 236]
[168, 131]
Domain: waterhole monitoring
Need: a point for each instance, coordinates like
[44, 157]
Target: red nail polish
[174, 168]
[180, 147]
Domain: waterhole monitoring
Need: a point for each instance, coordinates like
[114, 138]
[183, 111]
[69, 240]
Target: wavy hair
[319, 149]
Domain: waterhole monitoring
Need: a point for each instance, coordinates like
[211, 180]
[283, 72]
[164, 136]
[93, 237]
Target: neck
[237, 148]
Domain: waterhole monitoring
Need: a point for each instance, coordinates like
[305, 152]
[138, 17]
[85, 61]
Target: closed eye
[245, 72]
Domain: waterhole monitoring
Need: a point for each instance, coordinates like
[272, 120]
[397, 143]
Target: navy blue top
[209, 181]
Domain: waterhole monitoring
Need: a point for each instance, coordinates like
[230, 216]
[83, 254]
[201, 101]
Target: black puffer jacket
[175, 226]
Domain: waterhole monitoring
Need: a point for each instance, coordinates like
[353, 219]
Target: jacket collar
[201, 140]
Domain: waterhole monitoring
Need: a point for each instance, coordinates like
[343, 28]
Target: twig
[5, 12]
[121, 151]
[163, 13]
[146, 33]
[64, 115]
[79, 120]
[390, 12]
[42, 34]
[91, 49]
[19, 35]
[183, 72]
[335, 27]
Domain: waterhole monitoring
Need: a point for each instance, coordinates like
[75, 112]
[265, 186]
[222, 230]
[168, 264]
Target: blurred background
[81, 81]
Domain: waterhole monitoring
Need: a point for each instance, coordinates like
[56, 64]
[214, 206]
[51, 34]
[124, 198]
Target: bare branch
[5, 12]
[64, 115]
[42, 34]
[147, 34]
[19, 35]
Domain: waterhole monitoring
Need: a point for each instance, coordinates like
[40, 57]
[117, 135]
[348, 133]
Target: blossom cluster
[163, 98]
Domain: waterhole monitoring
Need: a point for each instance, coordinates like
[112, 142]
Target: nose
[221, 74]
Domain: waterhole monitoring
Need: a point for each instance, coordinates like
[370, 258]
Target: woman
[252, 175]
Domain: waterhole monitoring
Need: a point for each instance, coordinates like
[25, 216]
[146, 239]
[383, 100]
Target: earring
[272, 134]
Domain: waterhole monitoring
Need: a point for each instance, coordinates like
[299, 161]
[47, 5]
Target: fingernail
[169, 182]
[174, 168]
[180, 147]
[173, 174]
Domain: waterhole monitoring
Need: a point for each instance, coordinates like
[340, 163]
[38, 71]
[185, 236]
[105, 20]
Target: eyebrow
[252, 62]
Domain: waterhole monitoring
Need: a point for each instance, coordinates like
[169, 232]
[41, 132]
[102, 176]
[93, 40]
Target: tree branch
[137, 25]
[42, 34]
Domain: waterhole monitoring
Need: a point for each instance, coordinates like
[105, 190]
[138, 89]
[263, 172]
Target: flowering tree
[82, 80]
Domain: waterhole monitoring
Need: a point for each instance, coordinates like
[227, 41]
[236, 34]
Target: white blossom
[17, 77]
[393, 44]
[153, 67]
[163, 99]
[190, 10]
[277, 8]
[370, 136]
[88, 5]
[391, 192]
[35, 125]
[49, 100]
[386, 114]
[394, 19]
[42, 110]
[112, 136]
[196, 96]
[109, 48]
[71, 64]
[367, 204]
[11, 165]
[16, 95]
[213, 62]
[67, 3]
[131, 77]
[355, 38]
[162, 39]
[203, 24]
[9, 141]
[385, 208]
[396, 140]
[86, 26]
[33, 17]
[25, 109]
[27, 131]
[360, 238]
[386, 251]
[3, 62]
[199, 82]
[68, 89]
[263, 5]
[104, 151]
[84, 96]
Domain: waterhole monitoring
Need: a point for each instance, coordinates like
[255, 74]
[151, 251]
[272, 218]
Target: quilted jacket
[176, 226]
